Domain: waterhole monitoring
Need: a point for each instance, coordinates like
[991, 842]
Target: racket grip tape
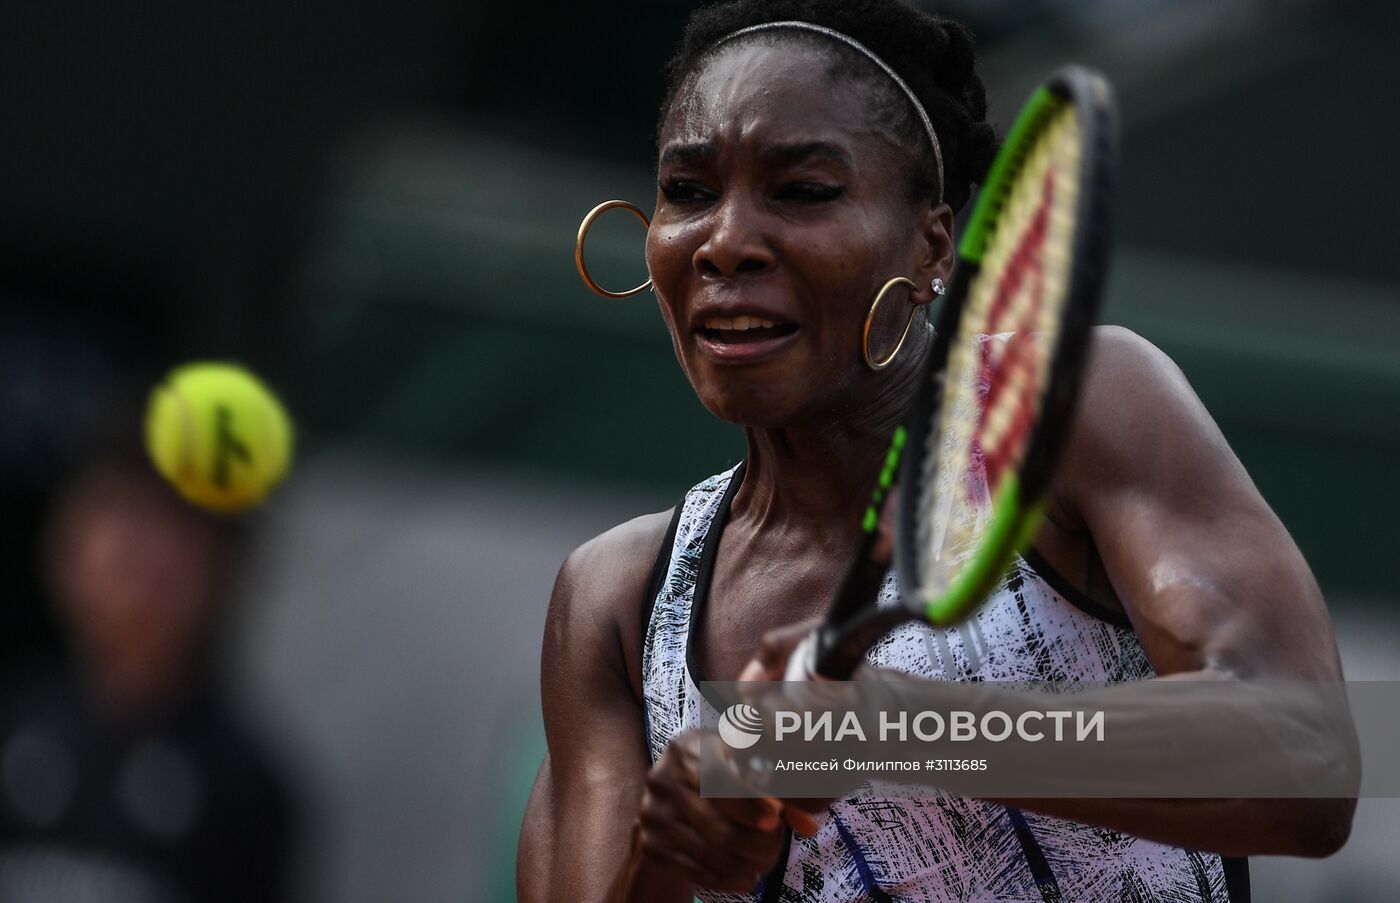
[820, 653]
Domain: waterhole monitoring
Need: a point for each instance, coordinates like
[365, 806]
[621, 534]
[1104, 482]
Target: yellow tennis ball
[219, 435]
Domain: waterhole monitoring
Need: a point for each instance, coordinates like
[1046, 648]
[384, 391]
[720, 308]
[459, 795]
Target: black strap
[659, 568]
[1236, 878]
[1072, 594]
[1035, 858]
[773, 881]
[700, 598]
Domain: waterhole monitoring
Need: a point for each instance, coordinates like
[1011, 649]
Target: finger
[811, 805]
[672, 776]
[770, 659]
[762, 813]
[659, 849]
[715, 816]
[696, 863]
[730, 842]
[744, 851]
[704, 845]
[722, 848]
[722, 777]
[731, 830]
[804, 823]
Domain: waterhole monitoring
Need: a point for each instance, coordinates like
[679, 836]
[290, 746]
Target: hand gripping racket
[978, 448]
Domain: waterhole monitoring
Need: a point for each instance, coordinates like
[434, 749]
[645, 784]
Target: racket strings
[1007, 374]
[999, 362]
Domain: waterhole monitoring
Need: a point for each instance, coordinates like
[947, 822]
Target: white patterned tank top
[884, 842]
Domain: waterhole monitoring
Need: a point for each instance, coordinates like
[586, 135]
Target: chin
[782, 391]
[759, 404]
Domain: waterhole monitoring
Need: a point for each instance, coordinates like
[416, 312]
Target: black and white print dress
[887, 842]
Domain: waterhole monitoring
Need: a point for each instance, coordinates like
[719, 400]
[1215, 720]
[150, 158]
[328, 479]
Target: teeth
[738, 323]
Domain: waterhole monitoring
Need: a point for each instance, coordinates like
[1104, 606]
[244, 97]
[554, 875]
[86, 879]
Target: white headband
[868, 54]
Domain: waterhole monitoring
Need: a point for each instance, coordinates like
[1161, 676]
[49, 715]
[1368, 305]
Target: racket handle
[802, 664]
[845, 649]
[837, 653]
[812, 659]
[855, 624]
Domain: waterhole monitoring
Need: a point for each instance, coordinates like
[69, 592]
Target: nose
[736, 243]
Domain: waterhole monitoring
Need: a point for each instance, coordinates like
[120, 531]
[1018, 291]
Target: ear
[935, 251]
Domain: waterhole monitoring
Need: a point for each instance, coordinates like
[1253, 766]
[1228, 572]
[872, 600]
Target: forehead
[766, 90]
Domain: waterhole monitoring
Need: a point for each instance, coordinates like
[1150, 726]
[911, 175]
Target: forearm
[1230, 827]
[641, 880]
[1231, 767]
[636, 880]
[566, 855]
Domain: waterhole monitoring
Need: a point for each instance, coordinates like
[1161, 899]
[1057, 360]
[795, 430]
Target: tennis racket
[978, 447]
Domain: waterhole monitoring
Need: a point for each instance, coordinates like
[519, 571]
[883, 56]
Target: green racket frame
[1018, 509]
[854, 623]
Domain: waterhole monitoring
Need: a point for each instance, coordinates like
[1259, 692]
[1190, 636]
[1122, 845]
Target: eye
[810, 192]
[685, 191]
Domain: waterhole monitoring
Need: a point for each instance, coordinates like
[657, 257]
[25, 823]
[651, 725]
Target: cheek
[845, 275]
[668, 255]
[669, 250]
[873, 251]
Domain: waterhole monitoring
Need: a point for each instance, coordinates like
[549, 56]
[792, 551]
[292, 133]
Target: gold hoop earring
[578, 247]
[870, 319]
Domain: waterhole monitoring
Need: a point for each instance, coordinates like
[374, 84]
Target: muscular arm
[577, 841]
[1214, 586]
[1212, 582]
[1205, 570]
[603, 823]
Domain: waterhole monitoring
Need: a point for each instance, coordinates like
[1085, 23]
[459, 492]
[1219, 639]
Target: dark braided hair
[932, 54]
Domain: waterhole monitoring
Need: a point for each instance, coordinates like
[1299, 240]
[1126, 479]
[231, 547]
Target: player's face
[781, 209]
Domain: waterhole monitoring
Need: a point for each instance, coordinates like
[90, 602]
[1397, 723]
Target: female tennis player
[808, 152]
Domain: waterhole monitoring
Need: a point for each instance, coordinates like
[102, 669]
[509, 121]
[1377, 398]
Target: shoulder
[613, 562]
[1122, 367]
[1132, 394]
[1118, 351]
[617, 564]
[1139, 422]
[595, 609]
[1121, 370]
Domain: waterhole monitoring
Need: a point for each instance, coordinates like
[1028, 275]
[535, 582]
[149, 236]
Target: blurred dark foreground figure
[126, 779]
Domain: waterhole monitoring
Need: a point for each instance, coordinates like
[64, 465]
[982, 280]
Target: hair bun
[957, 57]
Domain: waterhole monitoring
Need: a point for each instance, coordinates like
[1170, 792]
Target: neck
[821, 475]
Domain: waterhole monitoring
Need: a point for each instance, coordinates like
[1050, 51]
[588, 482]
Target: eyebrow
[804, 151]
[688, 153]
[780, 154]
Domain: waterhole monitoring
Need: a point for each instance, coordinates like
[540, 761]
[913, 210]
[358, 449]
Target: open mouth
[744, 330]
